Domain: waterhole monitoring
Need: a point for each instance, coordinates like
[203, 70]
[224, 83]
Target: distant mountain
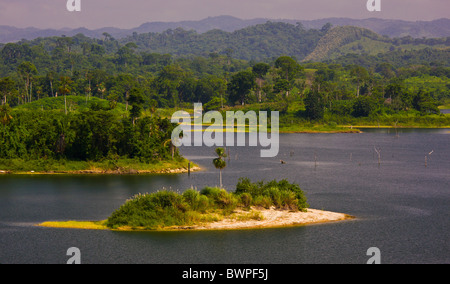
[391, 28]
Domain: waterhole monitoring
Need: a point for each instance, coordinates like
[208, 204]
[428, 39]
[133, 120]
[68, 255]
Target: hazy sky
[132, 13]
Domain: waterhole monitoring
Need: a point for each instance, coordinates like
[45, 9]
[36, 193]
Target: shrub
[283, 195]
[151, 211]
[192, 198]
[166, 208]
[263, 201]
[246, 199]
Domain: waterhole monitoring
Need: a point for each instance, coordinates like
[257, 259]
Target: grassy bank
[119, 166]
[317, 128]
[84, 225]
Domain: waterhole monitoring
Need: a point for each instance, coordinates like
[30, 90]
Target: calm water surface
[402, 207]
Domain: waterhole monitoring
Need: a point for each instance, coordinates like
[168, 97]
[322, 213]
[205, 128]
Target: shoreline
[398, 127]
[194, 168]
[268, 218]
[104, 172]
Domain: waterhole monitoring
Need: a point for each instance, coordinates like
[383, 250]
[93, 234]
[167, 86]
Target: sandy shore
[272, 218]
[267, 218]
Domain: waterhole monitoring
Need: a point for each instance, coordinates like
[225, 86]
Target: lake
[401, 206]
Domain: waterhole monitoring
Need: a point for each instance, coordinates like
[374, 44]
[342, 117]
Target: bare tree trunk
[379, 155]
[51, 87]
[31, 90]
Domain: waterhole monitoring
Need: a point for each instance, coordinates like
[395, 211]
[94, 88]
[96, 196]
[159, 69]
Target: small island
[250, 206]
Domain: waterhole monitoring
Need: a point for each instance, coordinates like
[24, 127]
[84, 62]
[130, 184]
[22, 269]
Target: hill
[336, 38]
[262, 42]
[266, 41]
[343, 40]
[258, 42]
[391, 28]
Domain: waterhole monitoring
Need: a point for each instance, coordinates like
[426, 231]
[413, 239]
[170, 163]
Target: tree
[260, 70]
[240, 86]
[125, 55]
[208, 88]
[386, 70]
[136, 100]
[289, 68]
[50, 77]
[424, 103]
[7, 88]
[5, 116]
[167, 83]
[123, 83]
[314, 105]
[360, 75]
[282, 86]
[26, 70]
[326, 27]
[220, 163]
[363, 106]
[65, 89]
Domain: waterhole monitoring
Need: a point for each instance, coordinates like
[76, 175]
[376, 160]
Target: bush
[263, 201]
[283, 195]
[151, 211]
[167, 208]
[363, 106]
[246, 199]
[220, 198]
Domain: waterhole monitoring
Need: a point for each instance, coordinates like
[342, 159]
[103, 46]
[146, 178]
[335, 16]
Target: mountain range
[391, 28]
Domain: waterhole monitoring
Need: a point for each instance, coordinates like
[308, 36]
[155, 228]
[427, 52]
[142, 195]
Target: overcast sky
[133, 13]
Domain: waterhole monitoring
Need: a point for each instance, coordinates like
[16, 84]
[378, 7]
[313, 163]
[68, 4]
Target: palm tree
[5, 116]
[65, 89]
[219, 162]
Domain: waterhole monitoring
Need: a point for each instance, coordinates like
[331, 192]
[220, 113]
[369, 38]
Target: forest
[80, 98]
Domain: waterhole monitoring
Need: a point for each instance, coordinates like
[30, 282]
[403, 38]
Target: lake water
[402, 207]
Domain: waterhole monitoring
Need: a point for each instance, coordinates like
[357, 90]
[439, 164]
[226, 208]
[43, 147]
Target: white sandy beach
[275, 218]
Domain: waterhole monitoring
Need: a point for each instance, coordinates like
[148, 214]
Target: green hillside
[340, 41]
[338, 37]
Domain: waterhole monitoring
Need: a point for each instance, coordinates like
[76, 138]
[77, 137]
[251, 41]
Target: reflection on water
[402, 206]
